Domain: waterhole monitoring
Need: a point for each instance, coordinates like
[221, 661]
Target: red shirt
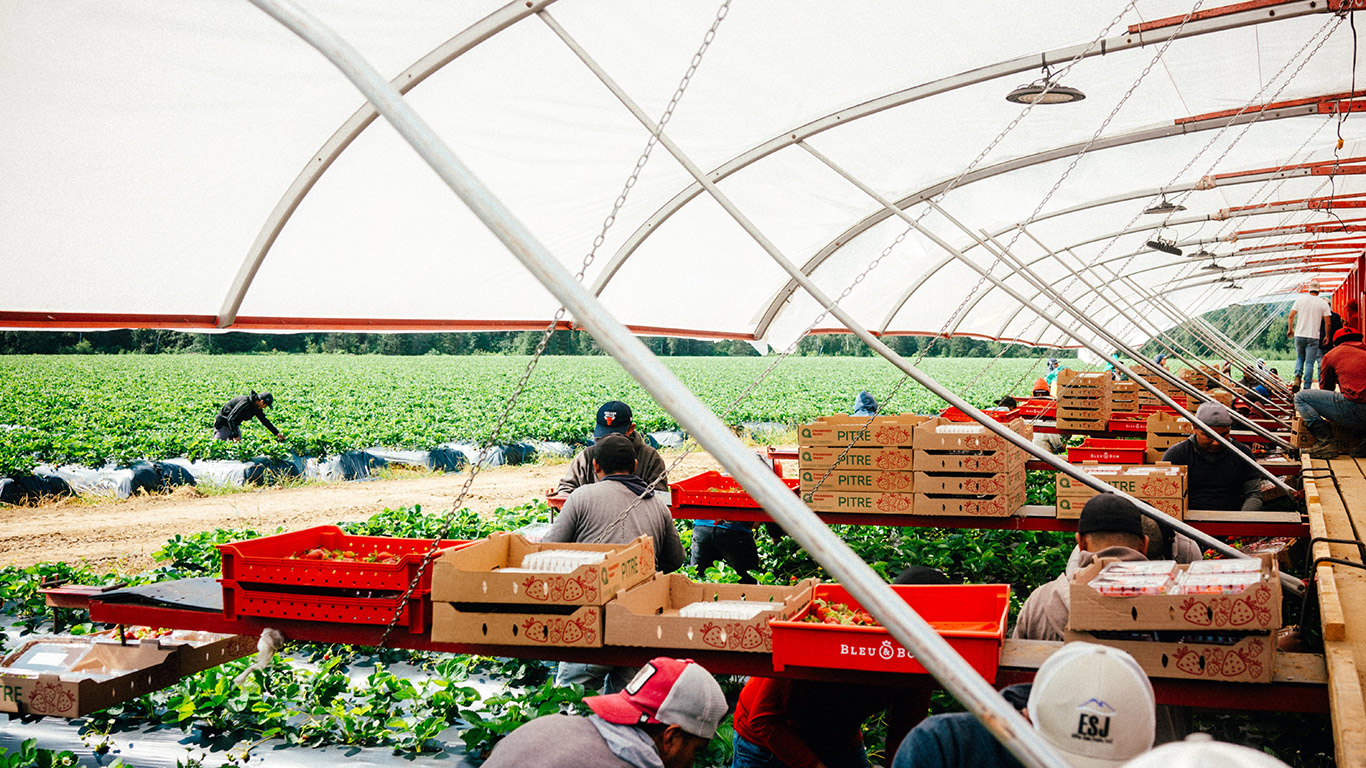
[800, 720]
[1344, 369]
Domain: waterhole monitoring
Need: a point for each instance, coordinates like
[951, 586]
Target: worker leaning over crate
[614, 510]
[615, 418]
[1109, 526]
[1217, 479]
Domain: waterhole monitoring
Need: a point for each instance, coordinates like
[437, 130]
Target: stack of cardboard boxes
[965, 469]
[1212, 620]
[1083, 400]
[1124, 397]
[1148, 399]
[1161, 485]
[1164, 431]
[505, 590]
[854, 464]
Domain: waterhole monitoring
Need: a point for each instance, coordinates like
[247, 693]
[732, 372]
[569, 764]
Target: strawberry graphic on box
[535, 588]
[1189, 661]
[756, 636]
[50, 698]
[713, 635]
[893, 460]
[893, 503]
[892, 435]
[535, 630]
[1196, 612]
[893, 481]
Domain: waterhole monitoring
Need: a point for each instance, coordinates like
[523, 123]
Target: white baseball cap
[1094, 704]
[1199, 750]
[1313, 286]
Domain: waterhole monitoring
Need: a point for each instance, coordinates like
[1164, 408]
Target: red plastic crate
[1108, 451]
[268, 560]
[246, 600]
[698, 490]
[972, 618]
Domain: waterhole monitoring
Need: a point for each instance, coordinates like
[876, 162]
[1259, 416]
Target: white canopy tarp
[151, 151]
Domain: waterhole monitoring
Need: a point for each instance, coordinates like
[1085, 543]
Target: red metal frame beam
[1346, 225]
[1336, 201]
[1211, 13]
[1317, 167]
[1327, 103]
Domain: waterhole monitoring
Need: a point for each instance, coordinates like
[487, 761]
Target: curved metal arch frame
[911, 289]
[1057, 153]
[519, 10]
[350, 130]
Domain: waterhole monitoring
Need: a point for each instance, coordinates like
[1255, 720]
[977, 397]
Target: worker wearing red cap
[1344, 370]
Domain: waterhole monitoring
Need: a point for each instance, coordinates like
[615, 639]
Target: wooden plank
[1239, 516]
[1342, 598]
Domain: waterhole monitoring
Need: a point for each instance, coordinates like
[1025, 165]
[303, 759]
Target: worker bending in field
[809, 724]
[1344, 370]
[614, 510]
[228, 424]
[1217, 478]
[668, 713]
[614, 418]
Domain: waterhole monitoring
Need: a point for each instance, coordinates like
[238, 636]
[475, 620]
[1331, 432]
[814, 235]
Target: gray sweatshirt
[591, 510]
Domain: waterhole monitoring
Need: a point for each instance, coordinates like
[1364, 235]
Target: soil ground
[123, 534]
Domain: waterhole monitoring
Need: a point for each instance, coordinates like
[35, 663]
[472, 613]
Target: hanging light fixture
[1232, 286]
[1044, 91]
[1203, 254]
[1165, 206]
[1213, 266]
[1165, 245]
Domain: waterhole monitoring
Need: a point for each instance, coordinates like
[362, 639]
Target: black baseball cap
[614, 418]
[1108, 513]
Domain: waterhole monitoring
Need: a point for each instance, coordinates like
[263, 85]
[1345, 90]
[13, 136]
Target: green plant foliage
[30, 756]
[93, 409]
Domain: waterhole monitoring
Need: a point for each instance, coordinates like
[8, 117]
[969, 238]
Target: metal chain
[475, 462]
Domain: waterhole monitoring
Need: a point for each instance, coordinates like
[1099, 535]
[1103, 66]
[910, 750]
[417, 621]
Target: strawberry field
[96, 409]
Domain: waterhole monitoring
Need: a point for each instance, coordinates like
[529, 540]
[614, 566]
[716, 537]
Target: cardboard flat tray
[1002, 505]
[859, 431]
[648, 615]
[861, 481]
[1252, 659]
[892, 459]
[970, 485]
[578, 626]
[473, 574]
[890, 502]
[1256, 608]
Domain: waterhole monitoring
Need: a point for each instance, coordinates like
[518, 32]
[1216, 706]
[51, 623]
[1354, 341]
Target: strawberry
[535, 588]
[573, 633]
[1188, 661]
[1196, 612]
[573, 590]
[1234, 665]
[1241, 613]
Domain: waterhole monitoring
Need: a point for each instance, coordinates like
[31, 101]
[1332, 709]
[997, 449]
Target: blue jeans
[751, 755]
[1307, 353]
[595, 677]
[1317, 406]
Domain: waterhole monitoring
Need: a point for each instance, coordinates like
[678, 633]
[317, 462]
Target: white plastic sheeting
[148, 145]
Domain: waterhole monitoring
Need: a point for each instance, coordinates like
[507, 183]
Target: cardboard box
[472, 575]
[580, 627]
[1088, 425]
[1144, 480]
[1249, 658]
[889, 459]
[871, 503]
[647, 615]
[863, 481]
[132, 670]
[957, 463]
[1001, 505]
[1069, 507]
[1072, 382]
[970, 485]
[1256, 608]
[1125, 388]
[841, 430]
[966, 437]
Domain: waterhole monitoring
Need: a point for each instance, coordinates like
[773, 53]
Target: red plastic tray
[972, 618]
[698, 490]
[1108, 451]
[246, 600]
[268, 560]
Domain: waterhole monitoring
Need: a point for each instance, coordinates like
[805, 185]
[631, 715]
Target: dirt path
[123, 534]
